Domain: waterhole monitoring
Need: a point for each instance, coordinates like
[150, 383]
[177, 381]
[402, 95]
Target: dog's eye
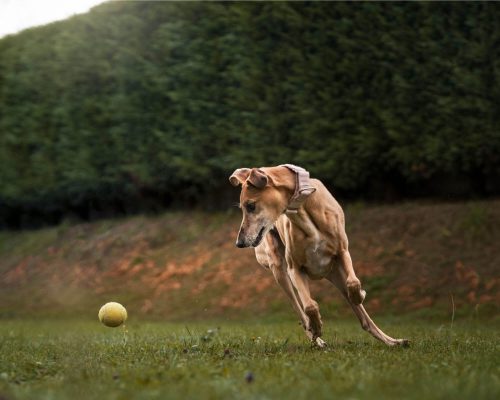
[250, 207]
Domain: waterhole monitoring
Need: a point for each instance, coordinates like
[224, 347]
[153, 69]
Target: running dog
[298, 231]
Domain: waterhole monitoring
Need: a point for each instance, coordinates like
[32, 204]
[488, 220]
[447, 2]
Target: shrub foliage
[137, 105]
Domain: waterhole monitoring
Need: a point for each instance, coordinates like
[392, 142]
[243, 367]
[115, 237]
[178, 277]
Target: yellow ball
[112, 314]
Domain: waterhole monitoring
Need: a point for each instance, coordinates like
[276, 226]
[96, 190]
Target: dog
[298, 231]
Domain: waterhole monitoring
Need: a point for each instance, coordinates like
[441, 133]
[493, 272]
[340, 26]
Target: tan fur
[311, 244]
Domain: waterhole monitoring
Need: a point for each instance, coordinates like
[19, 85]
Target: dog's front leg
[284, 281]
[271, 255]
[282, 278]
[311, 308]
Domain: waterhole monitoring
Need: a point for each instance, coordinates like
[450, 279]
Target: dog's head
[262, 201]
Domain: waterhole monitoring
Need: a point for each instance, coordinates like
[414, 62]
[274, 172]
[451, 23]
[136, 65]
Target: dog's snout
[241, 242]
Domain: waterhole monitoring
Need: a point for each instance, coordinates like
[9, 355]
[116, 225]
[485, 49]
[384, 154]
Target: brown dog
[298, 232]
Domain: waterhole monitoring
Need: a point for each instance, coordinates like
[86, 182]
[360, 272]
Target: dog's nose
[240, 242]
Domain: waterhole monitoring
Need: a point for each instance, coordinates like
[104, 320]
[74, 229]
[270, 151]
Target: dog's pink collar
[303, 188]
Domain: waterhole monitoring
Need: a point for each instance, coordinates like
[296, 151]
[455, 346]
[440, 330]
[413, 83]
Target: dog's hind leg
[339, 279]
[354, 292]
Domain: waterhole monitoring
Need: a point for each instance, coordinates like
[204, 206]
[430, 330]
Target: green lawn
[83, 359]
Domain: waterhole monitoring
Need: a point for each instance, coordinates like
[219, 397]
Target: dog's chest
[318, 259]
[307, 248]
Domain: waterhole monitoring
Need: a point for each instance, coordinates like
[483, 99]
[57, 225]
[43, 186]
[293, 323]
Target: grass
[404, 254]
[58, 359]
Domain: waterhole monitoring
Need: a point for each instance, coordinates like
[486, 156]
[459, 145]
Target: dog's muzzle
[258, 239]
[242, 242]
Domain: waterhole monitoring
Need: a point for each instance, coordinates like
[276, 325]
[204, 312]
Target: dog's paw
[398, 343]
[315, 324]
[320, 343]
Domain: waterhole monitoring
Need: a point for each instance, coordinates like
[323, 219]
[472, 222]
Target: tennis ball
[112, 314]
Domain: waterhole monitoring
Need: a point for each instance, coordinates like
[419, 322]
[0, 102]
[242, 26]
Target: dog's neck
[303, 219]
[302, 188]
[298, 190]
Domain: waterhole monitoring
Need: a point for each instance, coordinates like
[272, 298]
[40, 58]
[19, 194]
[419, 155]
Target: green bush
[135, 104]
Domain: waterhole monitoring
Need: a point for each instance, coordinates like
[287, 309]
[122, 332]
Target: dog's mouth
[259, 237]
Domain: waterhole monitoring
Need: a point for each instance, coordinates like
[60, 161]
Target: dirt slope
[178, 265]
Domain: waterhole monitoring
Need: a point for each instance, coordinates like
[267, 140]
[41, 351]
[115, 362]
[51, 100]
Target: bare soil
[409, 257]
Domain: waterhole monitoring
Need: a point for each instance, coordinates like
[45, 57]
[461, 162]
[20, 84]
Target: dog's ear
[239, 176]
[258, 178]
